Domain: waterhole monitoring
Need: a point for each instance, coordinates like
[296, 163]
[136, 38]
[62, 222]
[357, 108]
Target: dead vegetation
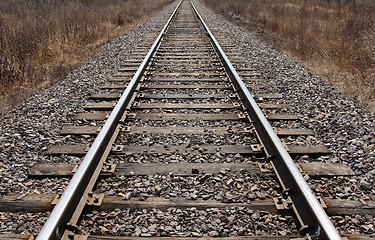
[334, 38]
[41, 40]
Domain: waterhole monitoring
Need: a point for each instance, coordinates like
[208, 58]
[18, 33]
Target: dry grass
[334, 38]
[41, 40]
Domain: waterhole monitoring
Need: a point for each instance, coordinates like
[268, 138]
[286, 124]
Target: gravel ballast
[29, 129]
[339, 123]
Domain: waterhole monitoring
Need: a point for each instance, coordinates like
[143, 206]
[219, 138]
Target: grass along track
[41, 42]
[334, 39]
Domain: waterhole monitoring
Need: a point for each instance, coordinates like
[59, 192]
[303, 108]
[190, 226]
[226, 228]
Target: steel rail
[316, 222]
[55, 225]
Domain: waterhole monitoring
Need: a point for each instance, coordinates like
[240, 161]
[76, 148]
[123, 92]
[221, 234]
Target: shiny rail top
[309, 208]
[55, 225]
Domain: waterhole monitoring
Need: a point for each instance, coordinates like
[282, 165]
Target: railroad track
[185, 151]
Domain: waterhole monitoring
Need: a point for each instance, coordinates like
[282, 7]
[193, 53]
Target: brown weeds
[40, 41]
[335, 38]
